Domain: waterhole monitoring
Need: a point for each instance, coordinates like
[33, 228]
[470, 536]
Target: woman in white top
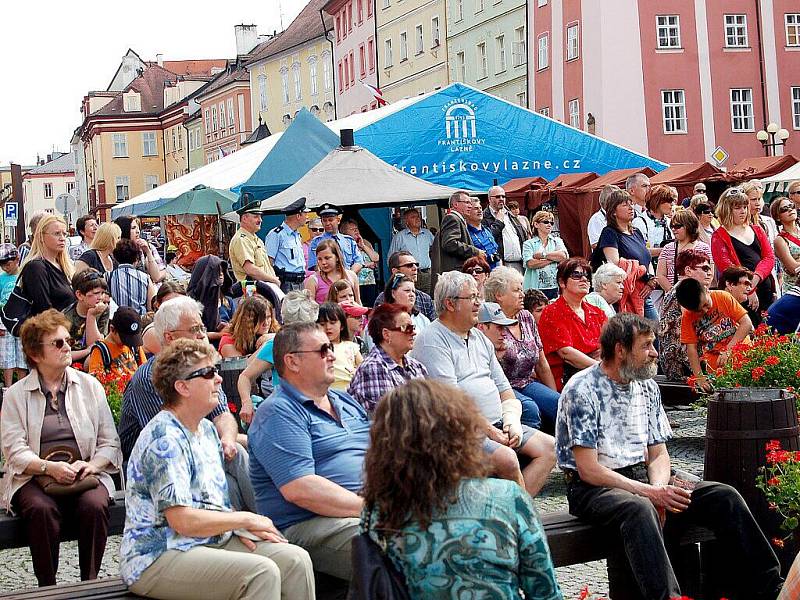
[541, 255]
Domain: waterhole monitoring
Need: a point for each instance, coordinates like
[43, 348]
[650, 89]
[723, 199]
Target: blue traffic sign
[10, 211]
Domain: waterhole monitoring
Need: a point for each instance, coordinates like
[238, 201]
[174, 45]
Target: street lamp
[772, 138]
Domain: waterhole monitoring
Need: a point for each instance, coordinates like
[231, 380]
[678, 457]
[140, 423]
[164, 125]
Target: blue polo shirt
[285, 248]
[346, 243]
[290, 438]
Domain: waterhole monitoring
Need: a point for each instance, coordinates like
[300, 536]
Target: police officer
[331, 215]
[248, 256]
[285, 247]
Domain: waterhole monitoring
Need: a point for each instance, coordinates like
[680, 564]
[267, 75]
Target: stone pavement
[686, 450]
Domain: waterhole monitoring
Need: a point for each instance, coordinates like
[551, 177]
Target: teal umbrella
[200, 200]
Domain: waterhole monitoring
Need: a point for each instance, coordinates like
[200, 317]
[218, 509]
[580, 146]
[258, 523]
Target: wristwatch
[43, 468]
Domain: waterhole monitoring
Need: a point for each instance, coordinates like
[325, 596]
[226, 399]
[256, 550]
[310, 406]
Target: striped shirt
[128, 287]
[141, 402]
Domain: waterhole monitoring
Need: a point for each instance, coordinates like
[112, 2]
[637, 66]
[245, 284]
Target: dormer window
[132, 101]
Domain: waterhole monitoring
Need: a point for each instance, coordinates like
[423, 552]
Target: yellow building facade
[411, 47]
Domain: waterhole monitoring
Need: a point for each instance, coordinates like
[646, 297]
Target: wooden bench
[99, 589]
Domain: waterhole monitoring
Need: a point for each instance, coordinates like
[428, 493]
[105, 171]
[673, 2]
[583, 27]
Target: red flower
[772, 361]
[761, 329]
[232, 407]
[774, 481]
[757, 373]
[773, 445]
[798, 373]
[777, 542]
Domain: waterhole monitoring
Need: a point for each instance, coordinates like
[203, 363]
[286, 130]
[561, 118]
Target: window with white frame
[150, 182]
[371, 54]
[545, 110]
[385, 3]
[668, 31]
[518, 52]
[327, 74]
[221, 118]
[213, 118]
[208, 120]
[574, 109]
[736, 31]
[174, 141]
[435, 32]
[285, 85]
[572, 42]
[500, 53]
[387, 52]
[461, 67]
[403, 46]
[522, 98]
[796, 107]
[122, 188]
[262, 92]
[149, 143]
[478, 6]
[742, 118]
[231, 117]
[483, 68]
[131, 102]
[418, 35]
[459, 8]
[312, 74]
[298, 82]
[792, 21]
[120, 145]
[192, 145]
[673, 107]
[543, 51]
[70, 187]
[48, 190]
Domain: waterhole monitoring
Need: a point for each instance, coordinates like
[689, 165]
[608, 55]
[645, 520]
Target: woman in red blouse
[570, 327]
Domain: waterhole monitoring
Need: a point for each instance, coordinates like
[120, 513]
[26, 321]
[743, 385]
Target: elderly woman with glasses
[787, 244]
[479, 269]
[541, 255]
[740, 243]
[181, 534]
[570, 326]
[60, 446]
[686, 229]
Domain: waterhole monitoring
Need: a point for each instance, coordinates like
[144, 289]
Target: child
[713, 323]
[121, 350]
[89, 315]
[11, 357]
[356, 321]
[347, 355]
[341, 291]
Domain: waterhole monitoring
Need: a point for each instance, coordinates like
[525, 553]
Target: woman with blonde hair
[47, 270]
[330, 269]
[99, 256]
[541, 255]
[755, 196]
[252, 325]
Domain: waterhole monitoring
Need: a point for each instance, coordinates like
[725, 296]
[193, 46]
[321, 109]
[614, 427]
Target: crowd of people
[414, 412]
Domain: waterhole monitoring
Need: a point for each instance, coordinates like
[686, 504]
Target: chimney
[160, 60]
[346, 136]
[246, 38]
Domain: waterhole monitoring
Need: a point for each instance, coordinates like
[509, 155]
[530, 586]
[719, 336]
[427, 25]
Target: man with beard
[611, 434]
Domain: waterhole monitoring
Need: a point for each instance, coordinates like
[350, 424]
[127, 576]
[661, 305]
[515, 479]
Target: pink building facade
[672, 80]
[354, 54]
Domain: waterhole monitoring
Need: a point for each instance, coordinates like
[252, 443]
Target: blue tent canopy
[463, 137]
[306, 142]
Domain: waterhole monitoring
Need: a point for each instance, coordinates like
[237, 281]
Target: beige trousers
[328, 541]
[230, 571]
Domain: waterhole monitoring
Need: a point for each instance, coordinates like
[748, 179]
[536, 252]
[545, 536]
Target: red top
[725, 256]
[560, 326]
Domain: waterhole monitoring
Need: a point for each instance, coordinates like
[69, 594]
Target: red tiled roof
[186, 68]
[306, 26]
[150, 86]
[231, 74]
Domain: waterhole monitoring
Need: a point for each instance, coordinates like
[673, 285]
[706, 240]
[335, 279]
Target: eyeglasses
[60, 342]
[316, 229]
[578, 275]
[704, 268]
[794, 192]
[474, 298]
[205, 373]
[196, 330]
[408, 328]
[409, 265]
[475, 271]
[676, 226]
[323, 350]
[498, 196]
[546, 222]
[786, 208]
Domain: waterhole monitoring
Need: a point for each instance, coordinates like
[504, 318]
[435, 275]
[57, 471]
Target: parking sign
[10, 214]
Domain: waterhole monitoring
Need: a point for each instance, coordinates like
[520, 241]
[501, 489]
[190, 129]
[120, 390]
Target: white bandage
[511, 411]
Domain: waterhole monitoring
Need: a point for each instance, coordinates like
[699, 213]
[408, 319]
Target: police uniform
[347, 244]
[285, 247]
[246, 246]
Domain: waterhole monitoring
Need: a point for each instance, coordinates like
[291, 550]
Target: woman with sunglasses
[47, 270]
[513, 208]
[57, 430]
[180, 532]
[570, 326]
[402, 290]
[541, 255]
[388, 364]
[704, 212]
[478, 268]
[686, 229]
[738, 242]
[787, 244]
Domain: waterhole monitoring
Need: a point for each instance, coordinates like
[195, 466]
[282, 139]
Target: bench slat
[99, 589]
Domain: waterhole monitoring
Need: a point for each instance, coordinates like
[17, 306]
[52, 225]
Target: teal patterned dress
[487, 545]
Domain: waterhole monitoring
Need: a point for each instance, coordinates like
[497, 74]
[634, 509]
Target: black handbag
[16, 310]
[374, 576]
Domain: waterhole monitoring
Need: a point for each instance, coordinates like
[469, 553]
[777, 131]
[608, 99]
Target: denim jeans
[545, 398]
[530, 411]
[650, 311]
[754, 570]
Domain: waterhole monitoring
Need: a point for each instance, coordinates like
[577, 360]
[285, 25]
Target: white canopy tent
[779, 183]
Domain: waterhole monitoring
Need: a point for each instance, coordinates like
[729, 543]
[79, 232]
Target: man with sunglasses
[417, 240]
[308, 445]
[794, 193]
[508, 232]
[452, 243]
[404, 263]
[180, 318]
[285, 247]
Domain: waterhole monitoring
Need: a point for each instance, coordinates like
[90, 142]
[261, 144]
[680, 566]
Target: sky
[54, 52]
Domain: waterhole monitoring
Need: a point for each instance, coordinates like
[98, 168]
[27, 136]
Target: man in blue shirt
[482, 238]
[331, 216]
[417, 240]
[285, 247]
[307, 446]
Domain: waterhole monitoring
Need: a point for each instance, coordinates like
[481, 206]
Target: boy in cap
[331, 216]
[88, 316]
[121, 350]
[11, 355]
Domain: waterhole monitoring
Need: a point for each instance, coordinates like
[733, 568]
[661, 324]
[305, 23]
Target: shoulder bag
[17, 308]
[374, 576]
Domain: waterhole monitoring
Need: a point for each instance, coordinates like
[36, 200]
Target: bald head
[497, 197]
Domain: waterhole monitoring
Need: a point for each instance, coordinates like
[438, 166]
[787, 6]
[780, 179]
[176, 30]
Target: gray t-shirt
[467, 363]
[620, 421]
